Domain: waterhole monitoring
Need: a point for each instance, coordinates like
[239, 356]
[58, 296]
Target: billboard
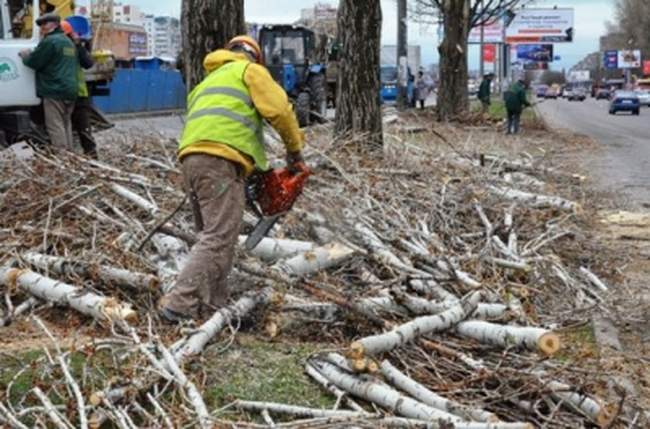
[535, 52]
[489, 53]
[629, 59]
[535, 65]
[138, 44]
[579, 75]
[610, 59]
[492, 33]
[541, 25]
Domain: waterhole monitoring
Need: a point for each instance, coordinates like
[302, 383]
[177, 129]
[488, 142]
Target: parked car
[551, 92]
[644, 96]
[577, 94]
[540, 91]
[624, 101]
[603, 94]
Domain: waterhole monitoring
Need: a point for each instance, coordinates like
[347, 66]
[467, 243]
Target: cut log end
[113, 310]
[356, 351]
[549, 343]
[605, 416]
[96, 399]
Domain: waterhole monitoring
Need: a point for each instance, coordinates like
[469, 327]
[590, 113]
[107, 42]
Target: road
[623, 166]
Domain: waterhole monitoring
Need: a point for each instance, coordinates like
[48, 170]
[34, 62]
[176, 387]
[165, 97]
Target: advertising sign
[579, 75]
[492, 33]
[646, 68]
[535, 52]
[541, 25]
[629, 59]
[610, 59]
[489, 53]
[138, 44]
[535, 65]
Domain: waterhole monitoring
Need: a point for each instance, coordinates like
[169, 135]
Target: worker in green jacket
[485, 91]
[83, 104]
[56, 65]
[515, 101]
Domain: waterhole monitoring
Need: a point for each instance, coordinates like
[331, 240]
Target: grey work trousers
[58, 122]
[216, 189]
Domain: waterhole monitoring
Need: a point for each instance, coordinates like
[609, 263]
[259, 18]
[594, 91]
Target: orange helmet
[66, 27]
[248, 44]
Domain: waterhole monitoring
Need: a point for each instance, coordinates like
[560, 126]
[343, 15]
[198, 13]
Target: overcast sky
[590, 17]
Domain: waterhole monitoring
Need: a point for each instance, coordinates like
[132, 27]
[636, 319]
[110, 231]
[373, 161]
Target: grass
[250, 369]
[257, 370]
[497, 110]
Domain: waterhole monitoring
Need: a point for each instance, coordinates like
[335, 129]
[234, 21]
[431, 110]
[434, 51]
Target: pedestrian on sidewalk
[485, 92]
[422, 88]
[221, 144]
[516, 102]
[55, 62]
[82, 106]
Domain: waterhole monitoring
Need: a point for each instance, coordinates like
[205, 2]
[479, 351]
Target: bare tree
[457, 17]
[207, 25]
[358, 109]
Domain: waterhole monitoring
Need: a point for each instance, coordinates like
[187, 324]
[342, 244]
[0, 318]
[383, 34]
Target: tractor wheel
[303, 108]
[318, 89]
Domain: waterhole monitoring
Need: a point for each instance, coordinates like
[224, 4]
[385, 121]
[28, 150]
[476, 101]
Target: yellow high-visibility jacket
[268, 98]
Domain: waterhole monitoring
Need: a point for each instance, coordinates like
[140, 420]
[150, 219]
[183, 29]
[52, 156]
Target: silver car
[644, 96]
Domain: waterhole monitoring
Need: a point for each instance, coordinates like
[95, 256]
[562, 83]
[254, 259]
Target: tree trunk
[358, 110]
[452, 94]
[207, 25]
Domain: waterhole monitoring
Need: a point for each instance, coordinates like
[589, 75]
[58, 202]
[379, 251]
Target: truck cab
[18, 31]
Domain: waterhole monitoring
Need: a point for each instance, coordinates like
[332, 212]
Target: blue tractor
[289, 52]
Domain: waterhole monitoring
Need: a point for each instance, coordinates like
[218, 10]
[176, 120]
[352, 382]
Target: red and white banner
[489, 53]
[646, 68]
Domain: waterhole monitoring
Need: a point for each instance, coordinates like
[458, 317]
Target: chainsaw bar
[261, 229]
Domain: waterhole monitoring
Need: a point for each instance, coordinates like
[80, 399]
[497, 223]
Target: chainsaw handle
[299, 168]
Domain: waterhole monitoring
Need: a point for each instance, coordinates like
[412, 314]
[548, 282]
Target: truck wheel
[318, 89]
[303, 108]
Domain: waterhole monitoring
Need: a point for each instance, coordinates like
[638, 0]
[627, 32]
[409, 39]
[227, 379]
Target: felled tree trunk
[358, 110]
[452, 93]
[421, 326]
[98, 307]
[504, 335]
[138, 281]
[207, 25]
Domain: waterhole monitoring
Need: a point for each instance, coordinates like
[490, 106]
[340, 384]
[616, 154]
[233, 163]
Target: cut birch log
[598, 413]
[136, 199]
[317, 259]
[269, 249]
[534, 200]
[96, 306]
[382, 395]
[537, 339]
[594, 280]
[431, 287]
[419, 306]
[295, 410]
[409, 331]
[119, 276]
[426, 396]
[340, 394]
[381, 252]
[197, 340]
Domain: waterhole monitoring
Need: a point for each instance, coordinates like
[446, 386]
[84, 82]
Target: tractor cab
[288, 53]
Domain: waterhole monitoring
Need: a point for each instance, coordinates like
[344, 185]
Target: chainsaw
[270, 195]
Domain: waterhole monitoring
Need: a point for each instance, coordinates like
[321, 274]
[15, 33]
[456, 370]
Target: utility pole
[402, 56]
[482, 65]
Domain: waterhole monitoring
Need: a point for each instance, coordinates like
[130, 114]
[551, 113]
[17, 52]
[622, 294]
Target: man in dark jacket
[485, 91]
[515, 100]
[82, 106]
[55, 62]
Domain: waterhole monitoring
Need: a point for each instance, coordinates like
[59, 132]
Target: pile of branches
[454, 275]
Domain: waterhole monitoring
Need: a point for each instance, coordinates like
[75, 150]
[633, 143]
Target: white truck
[18, 100]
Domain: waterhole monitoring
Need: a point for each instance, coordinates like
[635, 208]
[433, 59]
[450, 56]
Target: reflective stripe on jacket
[220, 110]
